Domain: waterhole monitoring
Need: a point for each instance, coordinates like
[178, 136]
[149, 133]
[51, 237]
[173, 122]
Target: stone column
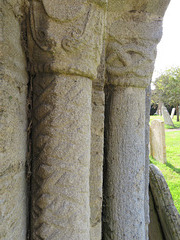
[146, 196]
[13, 123]
[64, 51]
[97, 153]
[125, 184]
[134, 31]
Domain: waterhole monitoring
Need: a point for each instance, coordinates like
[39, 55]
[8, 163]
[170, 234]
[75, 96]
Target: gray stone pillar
[146, 196]
[134, 31]
[13, 124]
[125, 180]
[97, 151]
[65, 49]
[96, 166]
[61, 157]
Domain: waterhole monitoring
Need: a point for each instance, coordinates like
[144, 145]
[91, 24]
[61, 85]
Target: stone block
[172, 113]
[166, 116]
[157, 140]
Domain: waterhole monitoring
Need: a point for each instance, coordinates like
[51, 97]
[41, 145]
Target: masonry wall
[13, 124]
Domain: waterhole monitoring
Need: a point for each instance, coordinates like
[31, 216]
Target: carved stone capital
[131, 51]
[133, 33]
[66, 36]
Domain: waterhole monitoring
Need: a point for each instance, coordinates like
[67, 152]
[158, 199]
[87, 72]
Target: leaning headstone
[157, 140]
[168, 216]
[172, 113]
[166, 116]
[155, 229]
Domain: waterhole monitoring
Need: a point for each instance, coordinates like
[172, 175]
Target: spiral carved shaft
[61, 157]
[65, 45]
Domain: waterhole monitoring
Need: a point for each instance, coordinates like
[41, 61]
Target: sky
[168, 50]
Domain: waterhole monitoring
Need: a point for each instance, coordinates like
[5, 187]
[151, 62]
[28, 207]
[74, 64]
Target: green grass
[176, 124]
[171, 170]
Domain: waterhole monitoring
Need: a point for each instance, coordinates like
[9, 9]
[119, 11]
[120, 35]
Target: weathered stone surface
[166, 116]
[70, 40]
[172, 113]
[61, 157]
[64, 48]
[155, 229]
[134, 29]
[157, 140]
[97, 152]
[159, 109]
[146, 196]
[64, 52]
[96, 165]
[164, 205]
[124, 182]
[13, 123]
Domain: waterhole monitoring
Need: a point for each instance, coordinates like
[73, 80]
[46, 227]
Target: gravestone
[155, 229]
[157, 140]
[172, 113]
[166, 116]
[166, 216]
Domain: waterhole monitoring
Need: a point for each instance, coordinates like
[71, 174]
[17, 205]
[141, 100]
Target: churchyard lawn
[171, 170]
[176, 124]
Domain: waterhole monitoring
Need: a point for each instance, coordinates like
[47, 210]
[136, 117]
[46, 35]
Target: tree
[167, 88]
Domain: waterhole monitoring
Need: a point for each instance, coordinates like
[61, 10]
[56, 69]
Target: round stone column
[61, 157]
[131, 50]
[65, 47]
[124, 184]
